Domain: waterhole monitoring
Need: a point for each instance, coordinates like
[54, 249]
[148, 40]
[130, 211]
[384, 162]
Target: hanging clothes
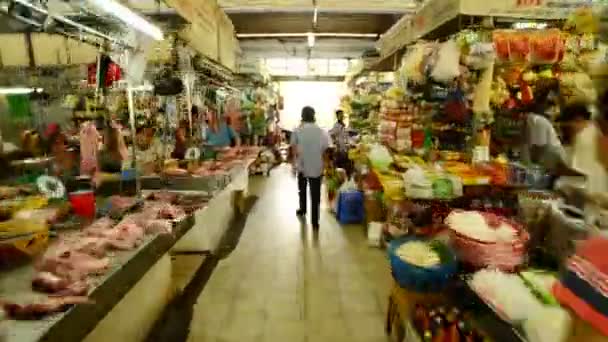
[89, 143]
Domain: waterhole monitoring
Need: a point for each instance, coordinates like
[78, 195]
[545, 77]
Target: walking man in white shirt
[309, 143]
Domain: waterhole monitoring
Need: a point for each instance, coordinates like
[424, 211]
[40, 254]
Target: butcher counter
[131, 296]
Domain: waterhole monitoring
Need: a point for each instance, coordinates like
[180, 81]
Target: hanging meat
[40, 309]
[89, 143]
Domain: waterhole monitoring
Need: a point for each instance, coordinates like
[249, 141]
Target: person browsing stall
[114, 152]
[583, 132]
[149, 150]
[179, 151]
[64, 163]
[309, 143]
[542, 144]
[541, 139]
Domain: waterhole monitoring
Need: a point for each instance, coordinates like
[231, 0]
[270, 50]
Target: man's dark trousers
[315, 196]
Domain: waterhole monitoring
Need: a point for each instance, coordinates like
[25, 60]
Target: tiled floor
[282, 283]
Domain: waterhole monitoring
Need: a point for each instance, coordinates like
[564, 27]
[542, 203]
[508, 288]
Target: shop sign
[434, 14]
[526, 9]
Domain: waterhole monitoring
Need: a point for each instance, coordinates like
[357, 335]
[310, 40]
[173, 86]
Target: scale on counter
[51, 187]
[193, 153]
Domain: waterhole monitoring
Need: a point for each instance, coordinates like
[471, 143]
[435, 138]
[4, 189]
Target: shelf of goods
[439, 18]
[465, 96]
[115, 273]
[487, 277]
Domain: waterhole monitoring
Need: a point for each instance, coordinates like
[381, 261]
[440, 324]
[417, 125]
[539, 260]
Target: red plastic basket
[480, 254]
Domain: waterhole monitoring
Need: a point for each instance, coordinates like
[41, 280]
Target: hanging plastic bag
[547, 47]
[447, 67]
[411, 63]
[519, 47]
[481, 56]
[501, 44]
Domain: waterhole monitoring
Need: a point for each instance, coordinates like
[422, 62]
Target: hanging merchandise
[89, 145]
[483, 90]
[19, 108]
[411, 64]
[109, 72]
[546, 47]
[167, 83]
[447, 66]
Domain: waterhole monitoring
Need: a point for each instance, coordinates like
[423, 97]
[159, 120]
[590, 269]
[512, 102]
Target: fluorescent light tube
[129, 17]
[19, 91]
[311, 39]
[523, 25]
[305, 35]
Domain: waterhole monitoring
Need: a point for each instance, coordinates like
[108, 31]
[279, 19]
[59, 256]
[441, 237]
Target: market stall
[481, 246]
[88, 248]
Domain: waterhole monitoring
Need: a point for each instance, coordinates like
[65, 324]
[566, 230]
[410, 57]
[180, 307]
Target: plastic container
[351, 207]
[83, 203]
[422, 279]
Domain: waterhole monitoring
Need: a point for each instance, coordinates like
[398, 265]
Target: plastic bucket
[83, 203]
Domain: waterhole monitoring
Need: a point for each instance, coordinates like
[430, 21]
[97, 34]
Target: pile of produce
[419, 253]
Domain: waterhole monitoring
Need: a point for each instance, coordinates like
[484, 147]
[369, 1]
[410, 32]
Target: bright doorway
[324, 97]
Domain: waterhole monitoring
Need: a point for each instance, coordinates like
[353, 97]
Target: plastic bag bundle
[481, 56]
[411, 64]
[447, 67]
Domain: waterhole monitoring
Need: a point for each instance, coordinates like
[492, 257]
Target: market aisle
[284, 284]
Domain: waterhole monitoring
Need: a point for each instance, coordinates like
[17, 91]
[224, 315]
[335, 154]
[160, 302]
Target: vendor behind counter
[114, 151]
[149, 151]
[221, 135]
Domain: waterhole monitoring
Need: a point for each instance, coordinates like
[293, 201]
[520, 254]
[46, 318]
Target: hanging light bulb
[311, 39]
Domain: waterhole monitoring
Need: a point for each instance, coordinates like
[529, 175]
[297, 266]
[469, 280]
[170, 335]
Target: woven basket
[500, 255]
